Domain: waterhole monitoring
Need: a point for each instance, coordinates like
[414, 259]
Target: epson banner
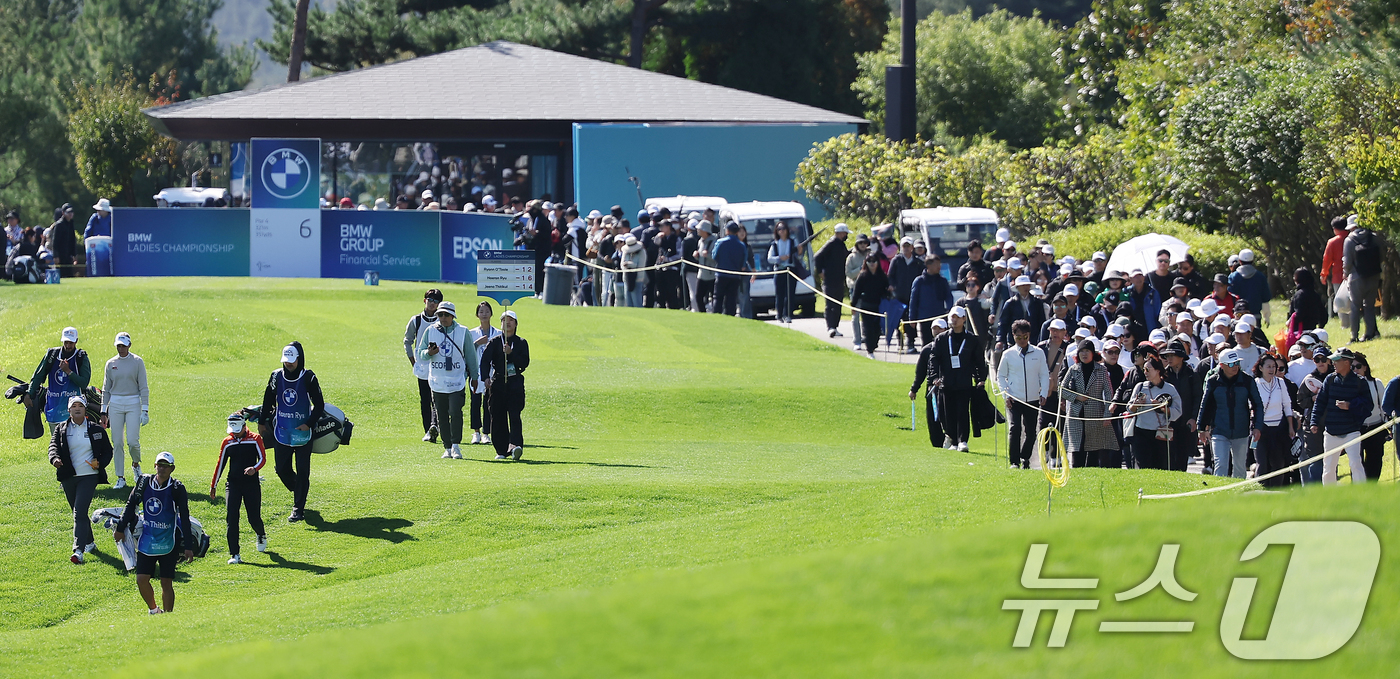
[466, 233]
[399, 244]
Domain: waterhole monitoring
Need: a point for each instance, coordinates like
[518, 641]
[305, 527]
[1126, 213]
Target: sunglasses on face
[1234, 364]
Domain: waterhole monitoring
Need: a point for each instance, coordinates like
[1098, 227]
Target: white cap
[447, 308]
[1215, 338]
[1243, 327]
[511, 315]
[1003, 235]
[1015, 264]
[907, 240]
[76, 399]
[1220, 322]
[1246, 255]
[1193, 304]
[1111, 344]
[1071, 289]
[69, 334]
[1048, 249]
[1066, 269]
[1229, 356]
[235, 422]
[1249, 318]
[1115, 330]
[1184, 316]
[1037, 291]
[940, 323]
[1023, 280]
[1321, 335]
[1089, 321]
[166, 457]
[1100, 256]
[594, 214]
[289, 354]
[1087, 268]
[427, 194]
[547, 206]
[1351, 222]
[122, 340]
[1009, 245]
[1067, 259]
[1057, 324]
[1157, 335]
[1135, 273]
[1083, 333]
[960, 312]
[1234, 259]
[998, 264]
[842, 228]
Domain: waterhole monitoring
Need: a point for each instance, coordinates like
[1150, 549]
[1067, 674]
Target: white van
[680, 206]
[759, 218]
[947, 230]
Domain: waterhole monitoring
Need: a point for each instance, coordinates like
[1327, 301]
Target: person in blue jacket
[930, 296]
[1390, 406]
[730, 255]
[1231, 414]
[1250, 284]
[1339, 411]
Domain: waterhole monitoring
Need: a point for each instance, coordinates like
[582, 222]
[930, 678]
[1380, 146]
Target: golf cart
[759, 218]
[191, 196]
[680, 206]
[947, 231]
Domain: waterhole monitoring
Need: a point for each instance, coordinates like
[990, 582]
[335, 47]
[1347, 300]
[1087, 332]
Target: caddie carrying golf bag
[333, 430]
[110, 516]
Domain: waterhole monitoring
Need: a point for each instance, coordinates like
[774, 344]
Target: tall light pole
[899, 80]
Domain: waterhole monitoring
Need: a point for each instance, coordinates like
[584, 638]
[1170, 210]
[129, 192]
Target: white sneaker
[136, 472]
[156, 611]
[870, 355]
[89, 547]
[77, 556]
[235, 560]
[456, 451]
[486, 439]
[502, 457]
[517, 451]
[962, 447]
[838, 333]
[476, 438]
[428, 438]
[262, 543]
[120, 484]
[447, 454]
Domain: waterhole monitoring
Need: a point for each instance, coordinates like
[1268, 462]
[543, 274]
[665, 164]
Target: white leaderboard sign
[505, 275]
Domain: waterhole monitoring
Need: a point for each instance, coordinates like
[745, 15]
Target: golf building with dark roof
[505, 120]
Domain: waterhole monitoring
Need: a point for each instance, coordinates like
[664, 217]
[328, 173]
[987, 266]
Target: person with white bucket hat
[100, 223]
[126, 405]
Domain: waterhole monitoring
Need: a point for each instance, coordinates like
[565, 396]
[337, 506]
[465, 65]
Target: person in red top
[1222, 295]
[243, 452]
[1332, 272]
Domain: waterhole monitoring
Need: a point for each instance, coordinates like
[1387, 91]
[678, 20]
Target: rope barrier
[604, 268]
[1058, 476]
[1335, 451]
[998, 392]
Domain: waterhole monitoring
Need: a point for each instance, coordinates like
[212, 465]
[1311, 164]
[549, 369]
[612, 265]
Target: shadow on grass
[536, 445]
[372, 527]
[588, 464]
[279, 562]
[110, 494]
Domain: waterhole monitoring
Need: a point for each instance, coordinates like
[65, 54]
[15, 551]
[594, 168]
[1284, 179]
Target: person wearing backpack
[411, 336]
[1361, 260]
[165, 523]
[68, 372]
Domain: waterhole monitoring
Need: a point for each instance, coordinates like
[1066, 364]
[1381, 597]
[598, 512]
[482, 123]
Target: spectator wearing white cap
[830, 263]
[957, 366]
[126, 404]
[1250, 283]
[1059, 311]
[1339, 413]
[998, 253]
[80, 451]
[448, 350]
[504, 363]
[67, 371]
[1245, 348]
[1230, 414]
[292, 402]
[1300, 367]
[1024, 380]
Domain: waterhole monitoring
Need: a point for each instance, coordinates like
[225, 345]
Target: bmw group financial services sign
[285, 233]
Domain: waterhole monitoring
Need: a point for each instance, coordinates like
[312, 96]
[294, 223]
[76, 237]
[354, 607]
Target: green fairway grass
[699, 496]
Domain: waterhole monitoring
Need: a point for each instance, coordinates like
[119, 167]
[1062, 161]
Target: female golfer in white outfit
[126, 405]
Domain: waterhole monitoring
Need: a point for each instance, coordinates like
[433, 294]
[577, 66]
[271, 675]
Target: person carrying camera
[1155, 404]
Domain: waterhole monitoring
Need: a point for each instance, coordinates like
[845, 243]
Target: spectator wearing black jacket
[871, 288]
[961, 368]
[80, 451]
[243, 453]
[503, 365]
[830, 263]
[65, 236]
[1339, 411]
[667, 245]
[1196, 285]
[1188, 386]
[1306, 304]
[1022, 306]
[975, 264]
[904, 268]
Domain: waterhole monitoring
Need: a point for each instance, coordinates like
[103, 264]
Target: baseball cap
[1115, 330]
[1342, 354]
[1037, 291]
[1136, 273]
[489, 200]
[1184, 316]
[1351, 222]
[1057, 324]
[1088, 321]
[1112, 344]
[1230, 357]
[76, 399]
[123, 340]
[511, 315]
[70, 334]
[1321, 335]
[960, 312]
[1015, 264]
[997, 264]
[842, 228]
[433, 294]
[594, 214]
[1100, 256]
[1220, 322]
[1243, 327]
[1112, 298]
[1065, 269]
[427, 194]
[940, 323]
[1249, 318]
[1157, 335]
[1234, 259]
[1009, 245]
[1215, 338]
[1048, 249]
[165, 458]
[1307, 339]
[1071, 289]
[448, 308]
[1246, 255]
[235, 423]
[907, 240]
[289, 354]
[1023, 280]
[1003, 235]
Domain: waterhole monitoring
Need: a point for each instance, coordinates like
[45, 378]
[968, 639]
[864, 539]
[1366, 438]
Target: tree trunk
[298, 42]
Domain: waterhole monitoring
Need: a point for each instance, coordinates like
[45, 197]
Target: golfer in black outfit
[503, 367]
[242, 451]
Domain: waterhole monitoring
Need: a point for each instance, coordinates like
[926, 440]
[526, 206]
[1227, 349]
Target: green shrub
[1212, 251]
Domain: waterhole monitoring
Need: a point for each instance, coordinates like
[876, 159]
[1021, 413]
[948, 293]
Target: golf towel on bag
[108, 518]
[333, 430]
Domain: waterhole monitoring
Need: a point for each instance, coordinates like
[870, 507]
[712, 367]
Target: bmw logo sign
[154, 505]
[286, 173]
[289, 396]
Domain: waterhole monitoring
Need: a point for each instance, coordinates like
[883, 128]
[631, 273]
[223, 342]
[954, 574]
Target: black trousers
[481, 413]
[870, 329]
[704, 294]
[1373, 456]
[450, 405]
[1020, 434]
[540, 258]
[1111, 459]
[1182, 445]
[507, 402]
[1149, 451]
[79, 491]
[783, 285]
[726, 295]
[957, 422]
[832, 312]
[298, 481]
[668, 288]
[1275, 453]
[425, 405]
[245, 491]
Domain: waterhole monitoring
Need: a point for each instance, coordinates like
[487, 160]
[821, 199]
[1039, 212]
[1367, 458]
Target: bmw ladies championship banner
[285, 234]
[153, 241]
[401, 245]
